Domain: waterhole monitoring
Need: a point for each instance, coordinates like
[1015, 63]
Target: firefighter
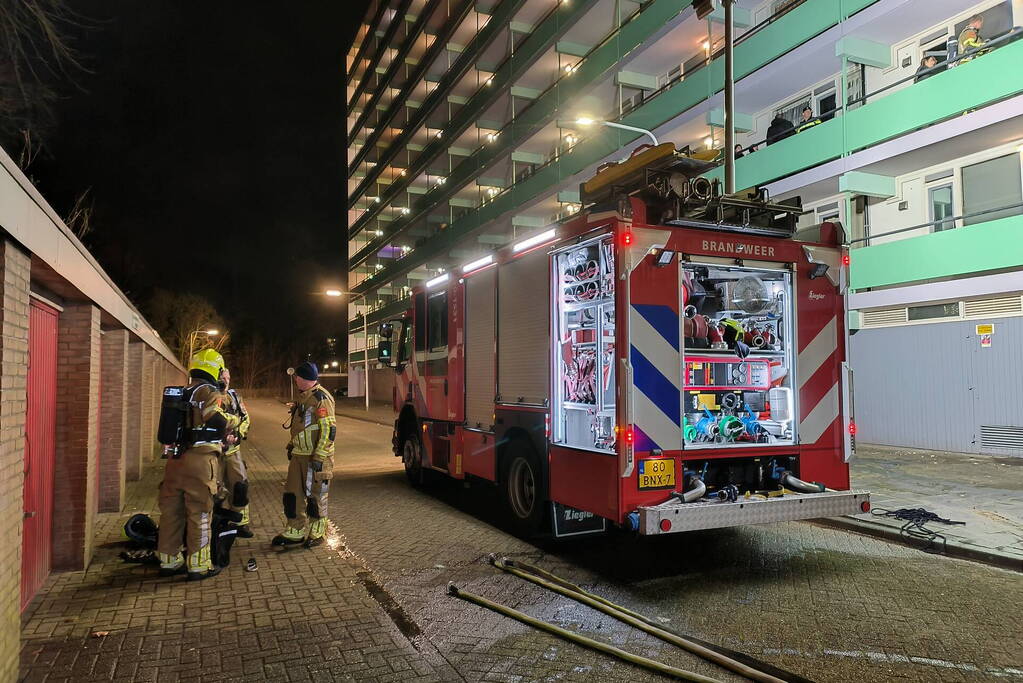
[233, 474]
[970, 42]
[808, 120]
[190, 480]
[311, 452]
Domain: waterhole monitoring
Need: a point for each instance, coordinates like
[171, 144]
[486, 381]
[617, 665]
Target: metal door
[40, 438]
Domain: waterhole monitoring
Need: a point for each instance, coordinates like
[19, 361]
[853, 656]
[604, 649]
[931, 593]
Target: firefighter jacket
[234, 405]
[970, 41]
[208, 422]
[313, 425]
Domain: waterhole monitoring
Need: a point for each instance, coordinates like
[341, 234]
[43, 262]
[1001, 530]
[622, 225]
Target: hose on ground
[634, 619]
[580, 639]
[790, 481]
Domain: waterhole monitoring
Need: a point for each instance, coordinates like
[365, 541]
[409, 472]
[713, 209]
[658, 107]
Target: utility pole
[729, 98]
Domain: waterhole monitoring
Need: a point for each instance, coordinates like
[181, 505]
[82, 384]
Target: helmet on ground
[142, 529]
[207, 361]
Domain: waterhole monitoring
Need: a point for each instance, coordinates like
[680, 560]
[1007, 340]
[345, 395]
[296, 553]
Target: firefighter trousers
[236, 484]
[186, 509]
[305, 496]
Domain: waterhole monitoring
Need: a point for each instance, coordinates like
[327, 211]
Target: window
[939, 199]
[932, 311]
[420, 321]
[437, 327]
[992, 184]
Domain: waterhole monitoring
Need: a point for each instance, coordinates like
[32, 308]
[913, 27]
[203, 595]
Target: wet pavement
[822, 603]
[982, 491]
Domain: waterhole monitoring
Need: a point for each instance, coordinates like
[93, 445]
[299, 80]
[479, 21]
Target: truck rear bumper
[674, 516]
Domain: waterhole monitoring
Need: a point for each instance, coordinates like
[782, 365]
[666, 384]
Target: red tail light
[845, 259]
[627, 238]
[852, 428]
[630, 436]
[865, 506]
[665, 525]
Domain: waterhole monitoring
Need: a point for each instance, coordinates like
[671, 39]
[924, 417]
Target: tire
[412, 459]
[523, 488]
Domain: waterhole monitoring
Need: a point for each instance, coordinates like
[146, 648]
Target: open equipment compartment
[584, 350]
[737, 368]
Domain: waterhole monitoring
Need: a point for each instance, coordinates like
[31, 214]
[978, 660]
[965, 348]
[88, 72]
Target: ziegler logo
[814, 296]
[739, 249]
[573, 515]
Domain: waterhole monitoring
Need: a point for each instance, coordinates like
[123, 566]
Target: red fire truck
[668, 359]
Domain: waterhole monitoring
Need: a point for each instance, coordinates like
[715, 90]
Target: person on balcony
[924, 71]
[809, 120]
[970, 41]
[779, 129]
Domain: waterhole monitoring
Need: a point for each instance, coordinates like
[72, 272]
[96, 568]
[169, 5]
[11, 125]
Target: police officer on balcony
[311, 452]
[191, 477]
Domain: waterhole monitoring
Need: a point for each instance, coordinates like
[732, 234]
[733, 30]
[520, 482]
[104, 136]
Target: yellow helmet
[208, 361]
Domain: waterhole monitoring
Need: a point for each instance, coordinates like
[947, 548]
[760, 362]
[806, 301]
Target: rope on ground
[915, 521]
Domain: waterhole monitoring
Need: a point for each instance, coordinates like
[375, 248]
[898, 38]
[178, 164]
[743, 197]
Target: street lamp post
[586, 121]
[194, 335]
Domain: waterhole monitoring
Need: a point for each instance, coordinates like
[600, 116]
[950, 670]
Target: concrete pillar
[74, 488]
[114, 408]
[14, 280]
[133, 435]
[147, 435]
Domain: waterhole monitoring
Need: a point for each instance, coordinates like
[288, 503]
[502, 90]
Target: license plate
[658, 473]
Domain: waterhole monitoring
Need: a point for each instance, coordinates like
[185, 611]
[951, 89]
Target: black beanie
[308, 371]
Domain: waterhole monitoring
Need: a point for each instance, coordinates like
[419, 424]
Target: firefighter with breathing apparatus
[233, 473]
[311, 452]
[196, 426]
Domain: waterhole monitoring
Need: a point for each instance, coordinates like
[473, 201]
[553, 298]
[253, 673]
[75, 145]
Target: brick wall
[114, 409]
[133, 435]
[14, 278]
[74, 489]
[148, 388]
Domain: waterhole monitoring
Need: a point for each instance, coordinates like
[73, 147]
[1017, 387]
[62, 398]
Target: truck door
[432, 351]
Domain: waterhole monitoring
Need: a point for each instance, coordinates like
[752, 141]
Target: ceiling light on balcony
[706, 45]
[440, 181]
[378, 233]
[571, 139]
[405, 211]
[440, 134]
[492, 136]
[708, 143]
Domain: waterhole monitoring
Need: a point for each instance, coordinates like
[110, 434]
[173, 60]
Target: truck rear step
[674, 515]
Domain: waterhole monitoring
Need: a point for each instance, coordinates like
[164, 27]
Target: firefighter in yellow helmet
[970, 42]
[311, 452]
[233, 472]
[192, 473]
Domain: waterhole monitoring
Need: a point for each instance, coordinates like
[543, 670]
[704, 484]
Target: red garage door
[40, 437]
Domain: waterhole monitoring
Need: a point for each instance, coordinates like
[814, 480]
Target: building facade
[472, 124]
[79, 401]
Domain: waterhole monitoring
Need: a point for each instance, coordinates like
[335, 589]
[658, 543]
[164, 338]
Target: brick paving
[819, 602]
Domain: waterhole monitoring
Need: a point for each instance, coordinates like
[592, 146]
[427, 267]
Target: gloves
[316, 465]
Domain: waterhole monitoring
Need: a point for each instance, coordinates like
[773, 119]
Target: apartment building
[473, 123]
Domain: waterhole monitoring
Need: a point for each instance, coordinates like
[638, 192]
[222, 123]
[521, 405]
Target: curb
[365, 419]
[953, 548]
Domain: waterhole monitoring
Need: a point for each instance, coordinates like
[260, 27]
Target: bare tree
[80, 217]
[34, 49]
[182, 320]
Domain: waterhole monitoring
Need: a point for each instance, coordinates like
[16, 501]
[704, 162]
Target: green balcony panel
[633, 79]
[569, 196]
[743, 122]
[972, 249]
[571, 49]
[528, 157]
[741, 17]
[984, 80]
[528, 221]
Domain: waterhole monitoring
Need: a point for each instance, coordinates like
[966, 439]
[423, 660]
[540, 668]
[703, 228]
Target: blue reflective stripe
[655, 386]
[662, 319]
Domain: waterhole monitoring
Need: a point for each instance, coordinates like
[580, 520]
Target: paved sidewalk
[380, 412]
[304, 615]
[985, 492]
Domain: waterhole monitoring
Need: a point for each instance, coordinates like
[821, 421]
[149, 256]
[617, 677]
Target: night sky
[212, 135]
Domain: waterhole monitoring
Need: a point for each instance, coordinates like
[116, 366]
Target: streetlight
[334, 293]
[586, 121]
[193, 336]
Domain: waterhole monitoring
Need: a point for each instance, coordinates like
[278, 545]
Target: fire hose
[555, 583]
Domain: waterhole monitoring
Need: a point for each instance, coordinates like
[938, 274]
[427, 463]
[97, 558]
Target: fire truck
[668, 359]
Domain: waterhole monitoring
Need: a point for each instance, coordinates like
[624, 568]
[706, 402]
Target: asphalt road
[825, 604]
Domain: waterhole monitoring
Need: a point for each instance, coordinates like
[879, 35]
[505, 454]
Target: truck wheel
[412, 458]
[524, 492]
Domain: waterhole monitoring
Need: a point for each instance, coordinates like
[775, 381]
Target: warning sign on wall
[987, 328]
[985, 341]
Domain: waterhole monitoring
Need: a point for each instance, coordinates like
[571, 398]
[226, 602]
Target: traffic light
[703, 8]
